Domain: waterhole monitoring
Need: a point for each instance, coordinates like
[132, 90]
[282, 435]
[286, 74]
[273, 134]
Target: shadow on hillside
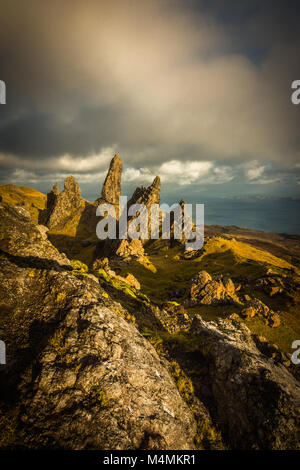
[73, 248]
[42, 216]
[81, 244]
[86, 227]
[36, 262]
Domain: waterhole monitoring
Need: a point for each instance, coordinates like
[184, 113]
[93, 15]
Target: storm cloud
[190, 90]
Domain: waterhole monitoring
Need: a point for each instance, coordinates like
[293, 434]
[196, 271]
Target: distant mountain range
[272, 198]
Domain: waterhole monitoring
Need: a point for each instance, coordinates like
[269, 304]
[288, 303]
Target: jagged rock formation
[27, 243]
[147, 196]
[255, 307]
[111, 190]
[222, 291]
[131, 249]
[206, 291]
[256, 400]
[52, 198]
[186, 226]
[61, 207]
[78, 376]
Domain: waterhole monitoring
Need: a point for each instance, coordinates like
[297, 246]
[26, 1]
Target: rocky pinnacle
[111, 189]
[147, 196]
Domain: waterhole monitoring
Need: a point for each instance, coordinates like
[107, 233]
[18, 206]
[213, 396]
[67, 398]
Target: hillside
[29, 198]
[156, 346]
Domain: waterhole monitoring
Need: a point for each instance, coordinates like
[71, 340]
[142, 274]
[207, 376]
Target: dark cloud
[185, 82]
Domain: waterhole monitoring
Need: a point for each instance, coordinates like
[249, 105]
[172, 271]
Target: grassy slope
[220, 252]
[218, 256]
[32, 200]
[68, 239]
[226, 257]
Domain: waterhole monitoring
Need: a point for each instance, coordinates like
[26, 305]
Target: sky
[198, 92]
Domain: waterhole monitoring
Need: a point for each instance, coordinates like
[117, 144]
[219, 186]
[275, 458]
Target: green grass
[209, 312]
[219, 256]
[172, 271]
[224, 250]
[169, 273]
[107, 281]
[283, 336]
[31, 200]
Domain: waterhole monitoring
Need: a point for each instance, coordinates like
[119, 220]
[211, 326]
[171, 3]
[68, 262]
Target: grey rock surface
[78, 376]
[257, 401]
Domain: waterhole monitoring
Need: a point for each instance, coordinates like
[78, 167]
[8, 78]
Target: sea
[269, 215]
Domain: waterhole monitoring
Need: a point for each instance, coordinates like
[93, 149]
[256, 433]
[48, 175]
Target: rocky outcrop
[26, 243]
[206, 291]
[111, 190]
[174, 317]
[129, 249]
[103, 264]
[61, 207]
[222, 291]
[278, 284]
[122, 251]
[147, 196]
[131, 280]
[78, 376]
[255, 307]
[256, 400]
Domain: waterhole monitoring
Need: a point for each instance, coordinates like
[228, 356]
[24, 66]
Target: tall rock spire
[111, 189]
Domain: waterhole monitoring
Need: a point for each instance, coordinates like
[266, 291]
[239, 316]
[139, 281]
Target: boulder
[256, 398]
[130, 279]
[207, 291]
[130, 249]
[255, 307]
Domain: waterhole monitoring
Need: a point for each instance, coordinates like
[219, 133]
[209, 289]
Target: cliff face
[77, 375]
